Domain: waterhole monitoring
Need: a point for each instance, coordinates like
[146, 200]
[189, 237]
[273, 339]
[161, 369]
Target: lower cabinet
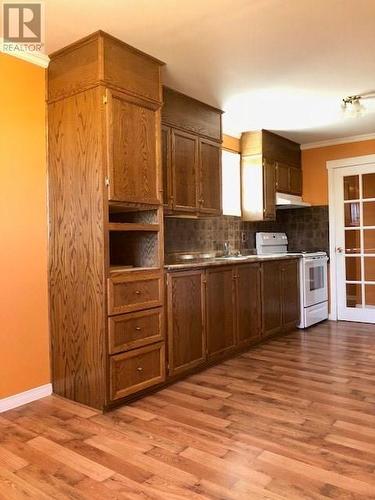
[220, 310]
[248, 303]
[271, 298]
[280, 296]
[136, 370]
[214, 311]
[186, 324]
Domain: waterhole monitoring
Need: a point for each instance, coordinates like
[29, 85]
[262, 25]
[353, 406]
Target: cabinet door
[290, 293]
[133, 160]
[248, 302]
[269, 189]
[220, 310]
[186, 332]
[282, 178]
[184, 171]
[166, 147]
[295, 180]
[210, 177]
[271, 298]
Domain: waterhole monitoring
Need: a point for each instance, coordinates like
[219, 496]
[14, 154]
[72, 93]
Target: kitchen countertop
[226, 261]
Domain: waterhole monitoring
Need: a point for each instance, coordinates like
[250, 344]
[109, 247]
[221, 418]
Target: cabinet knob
[138, 328]
[138, 292]
[139, 369]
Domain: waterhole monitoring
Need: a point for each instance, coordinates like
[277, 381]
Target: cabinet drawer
[132, 330]
[129, 293]
[136, 370]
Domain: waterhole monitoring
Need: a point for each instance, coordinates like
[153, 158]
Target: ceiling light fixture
[353, 104]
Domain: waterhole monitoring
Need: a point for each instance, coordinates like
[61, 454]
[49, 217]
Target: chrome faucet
[226, 248]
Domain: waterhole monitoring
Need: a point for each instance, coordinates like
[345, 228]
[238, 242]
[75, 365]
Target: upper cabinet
[183, 172]
[131, 101]
[133, 158]
[101, 59]
[269, 164]
[191, 156]
[210, 177]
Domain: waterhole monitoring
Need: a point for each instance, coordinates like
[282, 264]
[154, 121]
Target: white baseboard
[23, 398]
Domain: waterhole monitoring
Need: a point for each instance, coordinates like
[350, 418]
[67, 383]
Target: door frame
[332, 165]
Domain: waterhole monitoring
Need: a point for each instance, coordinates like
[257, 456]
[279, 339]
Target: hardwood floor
[291, 419]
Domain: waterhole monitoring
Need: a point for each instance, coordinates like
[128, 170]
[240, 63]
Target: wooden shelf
[130, 226]
[126, 269]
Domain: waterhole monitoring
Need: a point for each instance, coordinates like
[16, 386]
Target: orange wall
[24, 347]
[315, 177]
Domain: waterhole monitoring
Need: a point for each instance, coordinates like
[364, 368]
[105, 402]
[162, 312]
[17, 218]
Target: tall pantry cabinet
[105, 221]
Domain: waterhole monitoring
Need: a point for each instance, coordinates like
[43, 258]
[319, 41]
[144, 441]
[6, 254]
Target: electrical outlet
[243, 236]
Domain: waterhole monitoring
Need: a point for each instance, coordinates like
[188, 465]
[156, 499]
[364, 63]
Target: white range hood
[290, 201]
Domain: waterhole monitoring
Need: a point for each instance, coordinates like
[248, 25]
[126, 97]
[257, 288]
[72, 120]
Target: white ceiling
[284, 65]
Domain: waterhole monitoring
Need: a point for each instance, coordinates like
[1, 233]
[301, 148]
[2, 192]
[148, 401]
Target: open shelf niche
[134, 238]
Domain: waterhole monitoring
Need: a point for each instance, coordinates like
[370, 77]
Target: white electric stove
[313, 276]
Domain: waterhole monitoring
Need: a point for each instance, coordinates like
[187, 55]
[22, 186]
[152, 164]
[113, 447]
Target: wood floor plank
[75, 460]
[291, 419]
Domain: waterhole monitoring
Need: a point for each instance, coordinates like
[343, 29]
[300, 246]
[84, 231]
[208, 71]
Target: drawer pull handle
[138, 292]
[138, 328]
[140, 369]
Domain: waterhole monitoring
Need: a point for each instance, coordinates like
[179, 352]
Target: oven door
[315, 280]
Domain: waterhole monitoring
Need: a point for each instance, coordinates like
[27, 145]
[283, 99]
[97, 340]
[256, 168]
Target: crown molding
[37, 58]
[340, 140]
[23, 398]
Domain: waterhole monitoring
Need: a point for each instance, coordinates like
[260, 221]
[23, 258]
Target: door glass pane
[369, 240]
[369, 213]
[368, 185]
[353, 295]
[353, 268]
[369, 268]
[352, 217]
[316, 278]
[352, 241]
[370, 295]
[351, 187]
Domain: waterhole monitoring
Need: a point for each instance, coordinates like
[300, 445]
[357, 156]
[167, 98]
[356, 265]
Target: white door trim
[331, 166]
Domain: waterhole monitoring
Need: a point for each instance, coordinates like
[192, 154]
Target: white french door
[354, 189]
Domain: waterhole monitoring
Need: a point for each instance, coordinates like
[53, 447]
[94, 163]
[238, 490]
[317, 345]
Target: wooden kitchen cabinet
[136, 370]
[269, 180]
[133, 160]
[210, 177]
[271, 298]
[282, 177]
[288, 179]
[290, 293]
[220, 310]
[106, 287]
[191, 156]
[269, 164]
[186, 321]
[248, 303]
[280, 296]
[166, 152]
[184, 170]
[295, 181]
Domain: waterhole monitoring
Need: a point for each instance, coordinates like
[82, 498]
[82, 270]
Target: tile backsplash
[307, 229]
